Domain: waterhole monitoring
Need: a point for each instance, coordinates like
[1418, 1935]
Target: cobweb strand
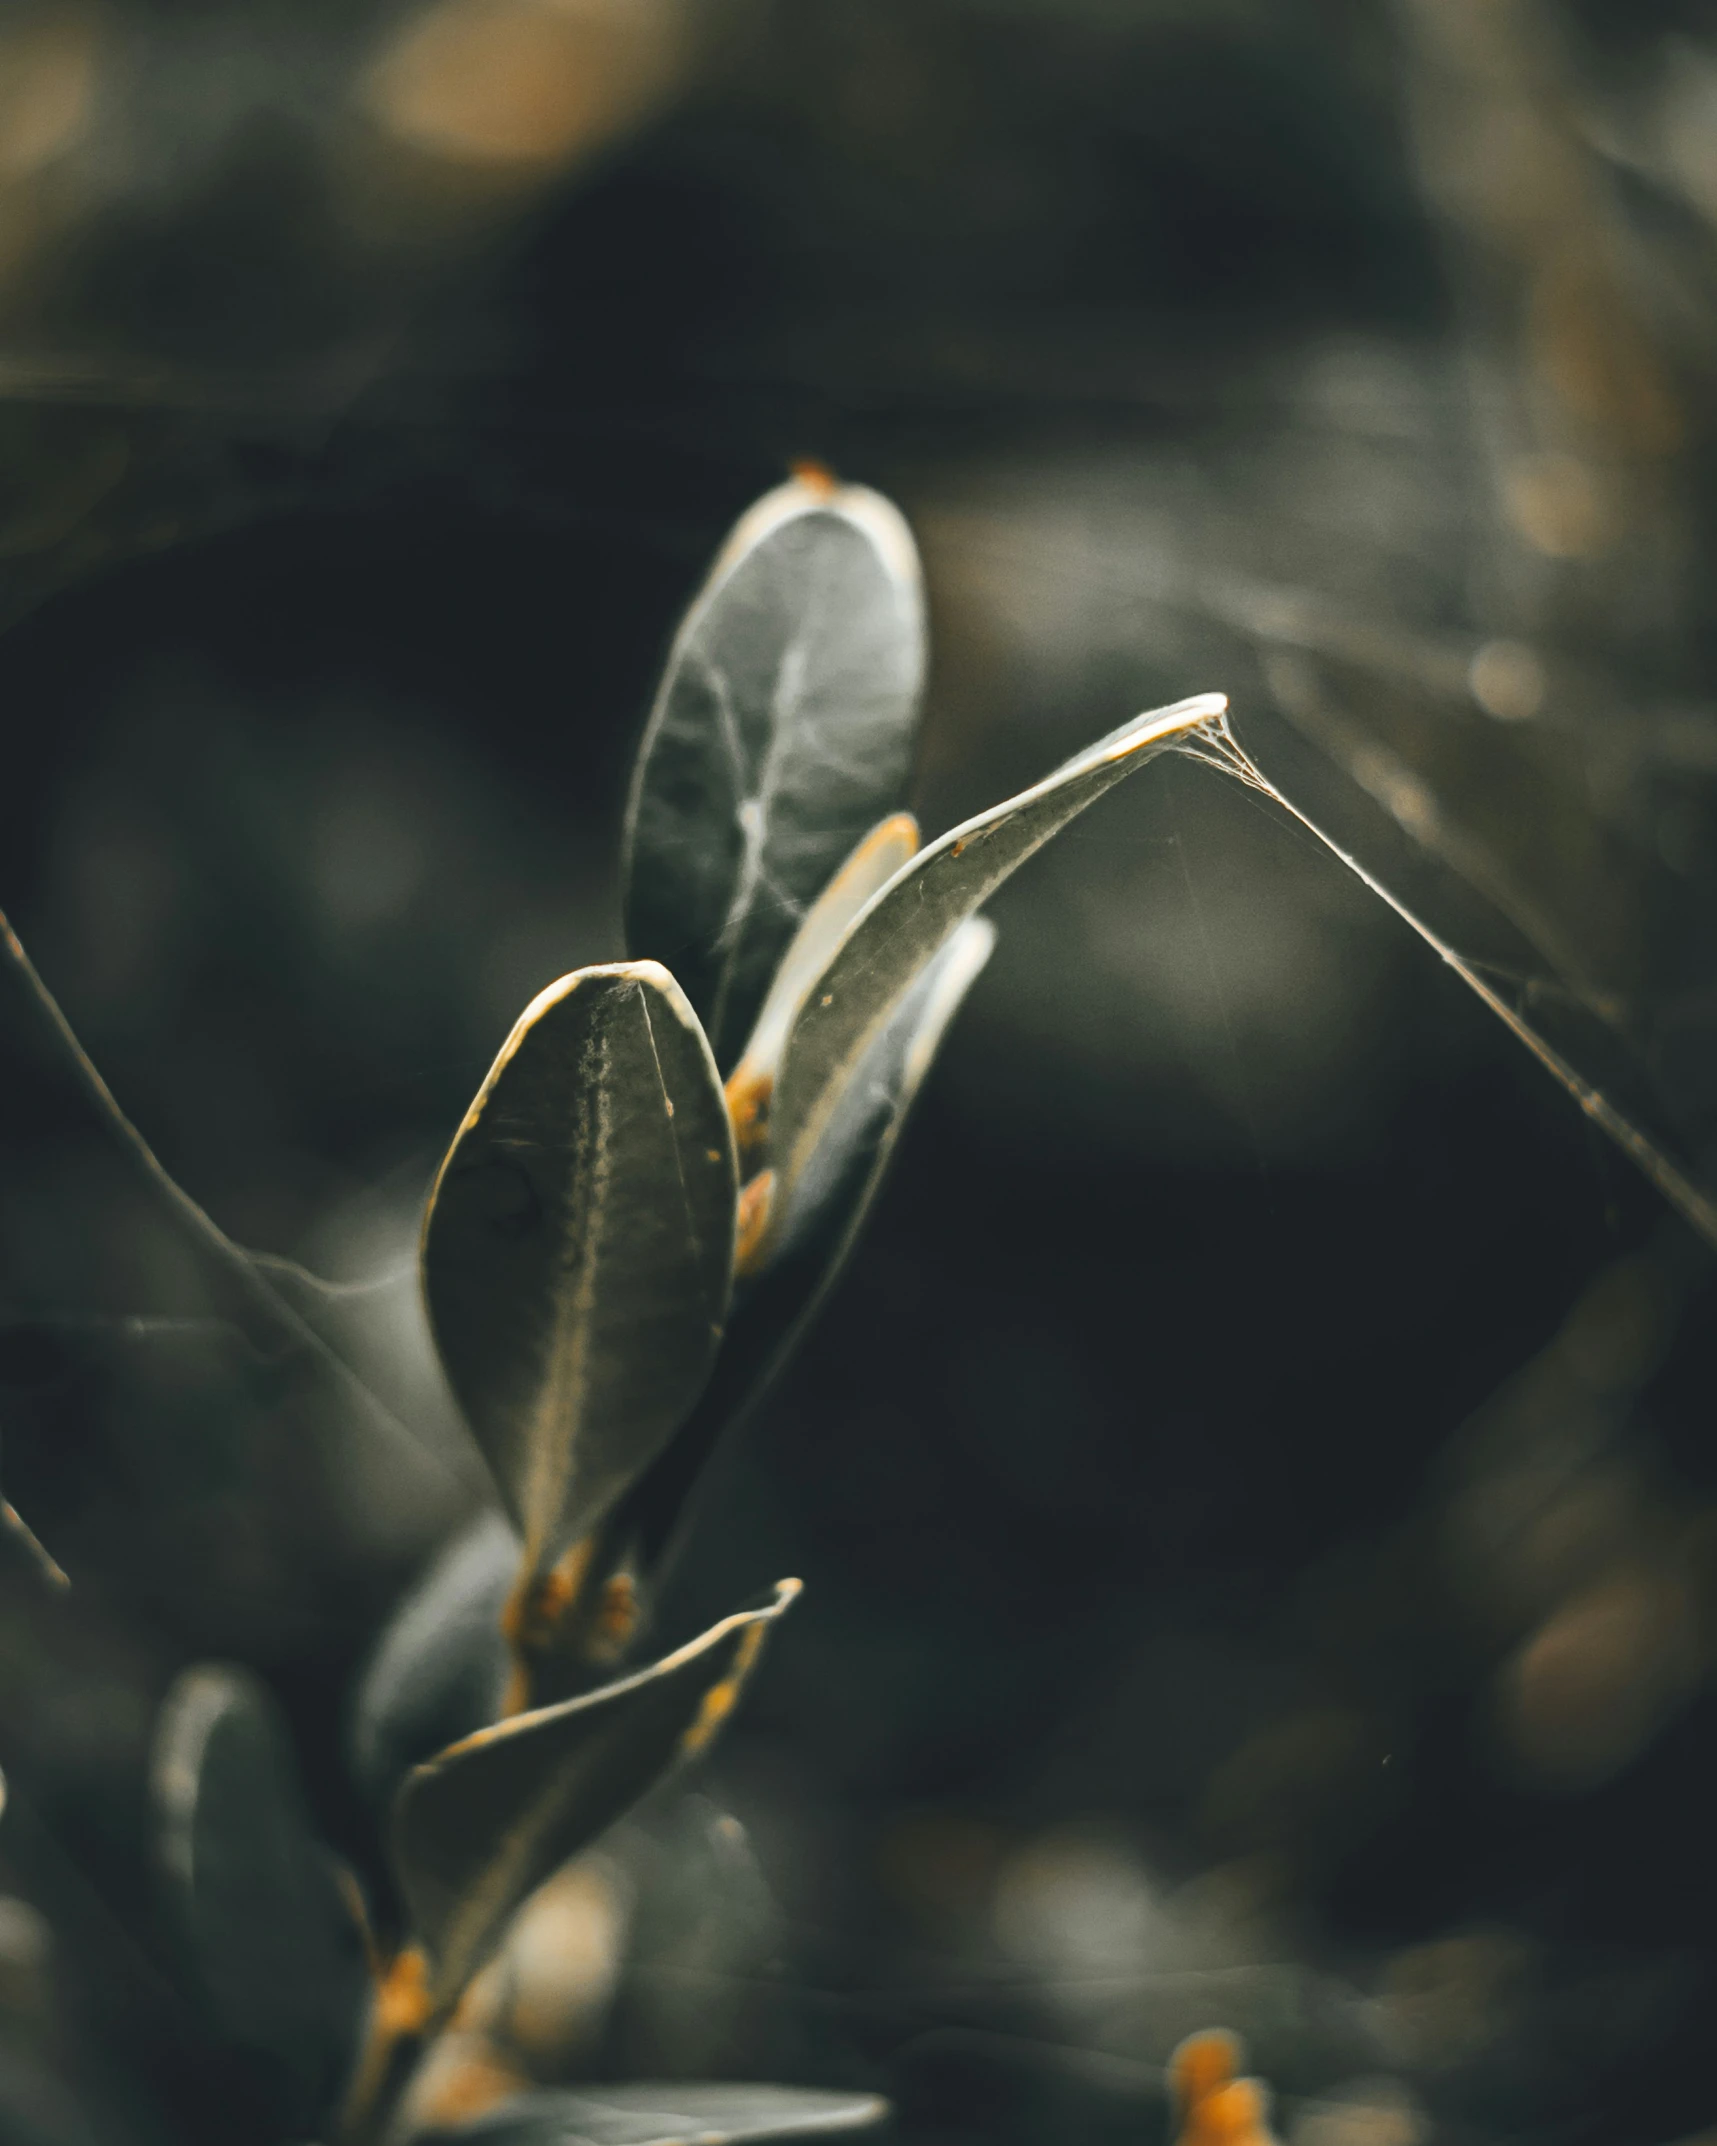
[1214, 745]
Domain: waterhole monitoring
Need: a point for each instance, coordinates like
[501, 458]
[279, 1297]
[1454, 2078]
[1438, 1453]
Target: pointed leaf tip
[899, 930]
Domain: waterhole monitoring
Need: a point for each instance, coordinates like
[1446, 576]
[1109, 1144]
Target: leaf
[677, 2112]
[870, 867]
[822, 1223]
[274, 1946]
[897, 932]
[482, 1825]
[823, 1208]
[578, 1249]
[441, 1668]
[783, 727]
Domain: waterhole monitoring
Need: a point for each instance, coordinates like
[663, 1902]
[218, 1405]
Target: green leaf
[820, 1225]
[823, 1208]
[782, 729]
[677, 2112]
[273, 1943]
[888, 846]
[578, 1250]
[441, 1668]
[481, 1826]
[899, 930]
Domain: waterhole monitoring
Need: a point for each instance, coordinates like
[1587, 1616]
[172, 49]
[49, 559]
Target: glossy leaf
[820, 1226]
[677, 2112]
[578, 1250]
[892, 938]
[273, 1944]
[871, 866]
[482, 1825]
[823, 1208]
[782, 730]
[441, 1668]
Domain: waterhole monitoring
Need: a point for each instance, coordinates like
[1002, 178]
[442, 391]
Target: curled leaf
[676, 2112]
[578, 1248]
[483, 1824]
[782, 729]
[273, 1944]
[900, 928]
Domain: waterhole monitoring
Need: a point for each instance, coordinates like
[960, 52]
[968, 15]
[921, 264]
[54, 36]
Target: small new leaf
[782, 729]
[901, 927]
[578, 1248]
[678, 2112]
[276, 1952]
[482, 1825]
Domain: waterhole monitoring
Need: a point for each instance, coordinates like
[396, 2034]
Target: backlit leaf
[578, 1250]
[899, 930]
[677, 2112]
[782, 729]
[273, 1944]
[482, 1825]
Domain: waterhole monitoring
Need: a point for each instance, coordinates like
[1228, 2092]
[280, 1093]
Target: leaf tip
[816, 477]
[1158, 724]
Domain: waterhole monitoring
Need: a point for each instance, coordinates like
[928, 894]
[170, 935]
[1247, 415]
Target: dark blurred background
[1256, 1488]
